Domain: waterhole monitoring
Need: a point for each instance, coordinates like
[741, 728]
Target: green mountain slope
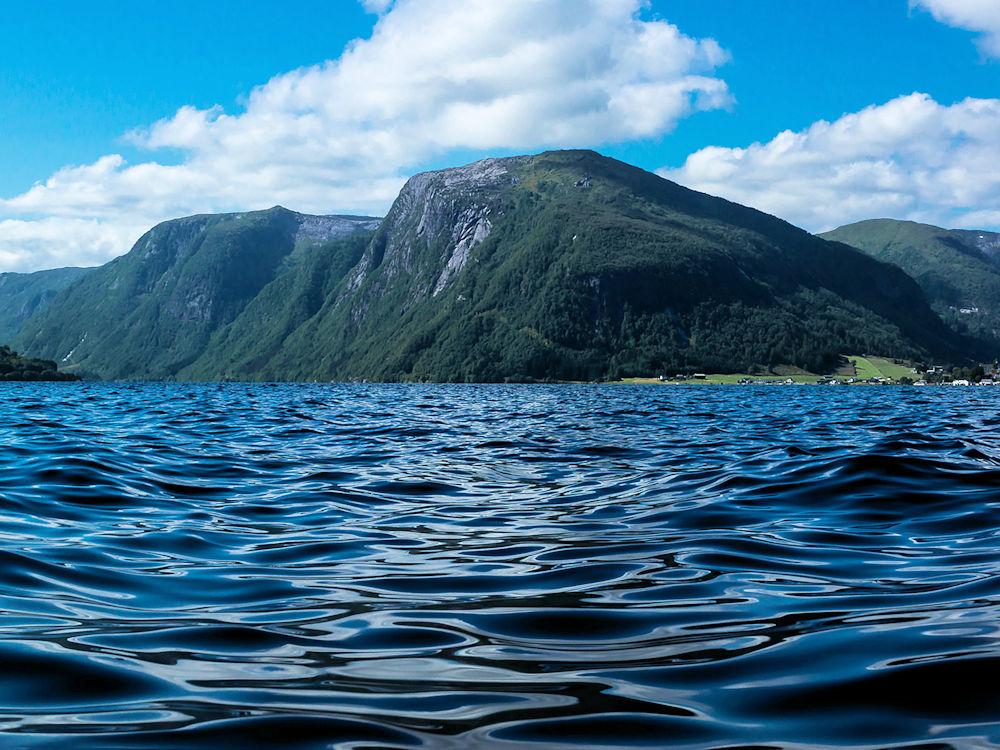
[151, 312]
[957, 269]
[571, 265]
[250, 342]
[24, 294]
[563, 265]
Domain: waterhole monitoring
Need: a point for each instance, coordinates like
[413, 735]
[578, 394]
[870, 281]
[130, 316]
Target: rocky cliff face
[328, 228]
[434, 224]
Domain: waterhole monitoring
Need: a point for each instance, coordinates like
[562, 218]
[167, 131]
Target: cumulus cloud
[975, 15]
[54, 242]
[435, 76]
[911, 158]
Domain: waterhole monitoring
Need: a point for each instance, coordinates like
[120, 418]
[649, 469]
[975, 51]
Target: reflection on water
[498, 566]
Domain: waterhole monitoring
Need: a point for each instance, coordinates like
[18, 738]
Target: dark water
[498, 567]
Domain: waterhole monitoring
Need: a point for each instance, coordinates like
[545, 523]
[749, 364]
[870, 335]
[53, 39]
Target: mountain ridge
[149, 312]
[425, 329]
[564, 264]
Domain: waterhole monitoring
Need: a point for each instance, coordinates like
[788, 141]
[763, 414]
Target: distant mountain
[564, 265]
[24, 294]
[959, 270]
[988, 243]
[151, 312]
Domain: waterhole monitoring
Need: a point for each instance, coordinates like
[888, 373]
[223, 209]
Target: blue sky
[76, 78]
[77, 75]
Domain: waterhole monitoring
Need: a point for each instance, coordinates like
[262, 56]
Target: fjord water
[391, 566]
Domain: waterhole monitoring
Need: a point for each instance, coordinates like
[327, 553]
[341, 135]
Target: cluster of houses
[961, 381]
[983, 375]
[853, 381]
[681, 377]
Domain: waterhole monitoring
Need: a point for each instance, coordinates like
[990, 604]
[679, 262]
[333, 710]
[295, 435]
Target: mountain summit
[565, 265]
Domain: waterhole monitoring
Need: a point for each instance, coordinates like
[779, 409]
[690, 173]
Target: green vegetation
[880, 367]
[298, 293]
[561, 266]
[864, 369]
[15, 367]
[599, 270]
[24, 294]
[592, 269]
[853, 368]
[954, 269]
[974, 374]
[152, 312]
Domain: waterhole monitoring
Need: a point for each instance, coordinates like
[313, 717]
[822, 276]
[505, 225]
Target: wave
[387, 566]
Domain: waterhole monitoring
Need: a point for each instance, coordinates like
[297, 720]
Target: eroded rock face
[432, 229]
[472, 228]
[326, 228]
[207, 294]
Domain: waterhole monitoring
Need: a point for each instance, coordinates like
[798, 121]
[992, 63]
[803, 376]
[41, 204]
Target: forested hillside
[564, 265]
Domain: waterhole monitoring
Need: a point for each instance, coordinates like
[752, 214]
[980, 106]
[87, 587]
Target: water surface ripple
[380, 566]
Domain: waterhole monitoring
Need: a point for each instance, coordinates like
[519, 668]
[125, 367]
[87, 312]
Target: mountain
[571, 265]
[958, 270]
[564, 265]
[24, 294]
[150, 313]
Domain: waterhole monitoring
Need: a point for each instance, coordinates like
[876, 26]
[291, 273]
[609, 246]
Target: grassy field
[879, 367]
[864, 367]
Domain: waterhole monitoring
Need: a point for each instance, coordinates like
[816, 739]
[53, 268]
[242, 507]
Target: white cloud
[435, 76]
[54, 242]
[975, 15]
[910, 158]
[376, 6]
